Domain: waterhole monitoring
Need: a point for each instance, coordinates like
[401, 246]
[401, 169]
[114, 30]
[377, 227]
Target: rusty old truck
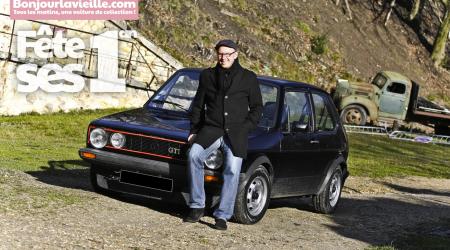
[390, 99]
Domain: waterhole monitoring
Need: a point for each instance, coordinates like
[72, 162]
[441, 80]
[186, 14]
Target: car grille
[152, 146]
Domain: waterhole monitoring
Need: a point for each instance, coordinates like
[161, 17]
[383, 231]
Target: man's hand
[191, 138]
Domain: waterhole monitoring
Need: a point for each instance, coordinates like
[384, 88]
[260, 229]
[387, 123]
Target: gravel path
[371, 212]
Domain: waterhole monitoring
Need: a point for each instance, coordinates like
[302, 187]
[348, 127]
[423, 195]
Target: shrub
[319, 44]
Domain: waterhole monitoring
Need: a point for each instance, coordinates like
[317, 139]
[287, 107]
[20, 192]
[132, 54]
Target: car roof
[275, 80]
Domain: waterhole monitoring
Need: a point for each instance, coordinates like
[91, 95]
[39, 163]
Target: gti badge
[173, 150]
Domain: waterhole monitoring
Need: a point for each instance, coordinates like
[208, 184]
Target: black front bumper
[164, 180]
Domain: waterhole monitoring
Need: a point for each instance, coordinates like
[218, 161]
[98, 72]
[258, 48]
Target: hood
[361, 88]
[148, 122]
[153, 122]
[345, 88]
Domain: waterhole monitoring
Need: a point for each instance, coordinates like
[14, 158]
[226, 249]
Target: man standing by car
[227, 106]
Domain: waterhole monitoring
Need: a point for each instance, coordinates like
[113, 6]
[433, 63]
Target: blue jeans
[232, 168]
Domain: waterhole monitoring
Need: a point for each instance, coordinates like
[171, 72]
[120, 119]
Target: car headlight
[214, 160]
[117, 140]
[98, 138]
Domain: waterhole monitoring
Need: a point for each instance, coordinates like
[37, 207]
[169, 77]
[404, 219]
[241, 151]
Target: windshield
[179, 92]
[379, 80]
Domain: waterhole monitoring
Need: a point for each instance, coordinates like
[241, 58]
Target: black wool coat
[232, 112]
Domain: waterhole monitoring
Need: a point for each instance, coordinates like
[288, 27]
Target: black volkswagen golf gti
[298, 149]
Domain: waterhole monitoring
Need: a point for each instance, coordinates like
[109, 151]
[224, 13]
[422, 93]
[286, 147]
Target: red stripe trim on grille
[148, 136]
[142, 135]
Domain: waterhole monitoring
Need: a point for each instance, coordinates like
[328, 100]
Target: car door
[326, 134]
[299, 149]
[393, 100]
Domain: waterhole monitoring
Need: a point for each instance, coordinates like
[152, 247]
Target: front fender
[250, 164]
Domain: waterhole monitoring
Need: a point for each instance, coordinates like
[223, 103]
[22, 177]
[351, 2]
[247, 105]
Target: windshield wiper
[173, 103]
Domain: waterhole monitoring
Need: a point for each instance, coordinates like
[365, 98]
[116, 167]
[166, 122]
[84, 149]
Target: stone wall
[141, 63]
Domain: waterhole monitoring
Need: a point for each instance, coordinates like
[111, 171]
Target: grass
[379, 156]
[31, 142]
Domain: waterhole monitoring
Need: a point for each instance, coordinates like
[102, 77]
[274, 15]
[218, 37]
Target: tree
[440, 41]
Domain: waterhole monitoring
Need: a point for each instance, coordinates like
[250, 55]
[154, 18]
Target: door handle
[314, 142]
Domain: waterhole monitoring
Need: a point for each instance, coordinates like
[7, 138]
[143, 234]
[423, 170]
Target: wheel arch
[252, 162]
[339, 162]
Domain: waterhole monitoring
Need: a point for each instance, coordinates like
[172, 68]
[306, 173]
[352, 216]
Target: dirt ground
[371, 212]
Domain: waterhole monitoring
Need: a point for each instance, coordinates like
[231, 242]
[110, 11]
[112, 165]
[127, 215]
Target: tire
[253, 199]
[354, 115]
[94, 183]
[327, 201]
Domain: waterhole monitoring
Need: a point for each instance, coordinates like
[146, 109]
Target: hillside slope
[310, 41]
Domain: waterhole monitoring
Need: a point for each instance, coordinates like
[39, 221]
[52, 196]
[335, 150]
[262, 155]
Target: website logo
[52, 77]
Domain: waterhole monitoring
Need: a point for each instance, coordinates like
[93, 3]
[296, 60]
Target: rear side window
[323, 117]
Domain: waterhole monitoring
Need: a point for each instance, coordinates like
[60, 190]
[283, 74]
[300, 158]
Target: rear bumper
[110, 166]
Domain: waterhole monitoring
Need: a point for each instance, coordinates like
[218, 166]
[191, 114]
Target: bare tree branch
[391, 7]
[348, 9]
[414, 10]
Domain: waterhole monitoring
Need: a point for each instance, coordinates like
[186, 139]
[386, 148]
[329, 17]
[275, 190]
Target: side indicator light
[88, 155]
[211, 178]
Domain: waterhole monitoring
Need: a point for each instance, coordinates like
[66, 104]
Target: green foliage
[241, 21]
[240, 5]
[336, 56]
[304, 27]
[142, 5]
[347, 75]
[175, 5]
[319, 44]
[285, 67]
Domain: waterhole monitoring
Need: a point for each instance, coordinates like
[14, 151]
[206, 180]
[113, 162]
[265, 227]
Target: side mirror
[299, 127]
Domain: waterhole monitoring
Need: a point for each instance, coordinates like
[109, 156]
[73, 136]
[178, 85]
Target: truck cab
[393, 94]
[387, 97]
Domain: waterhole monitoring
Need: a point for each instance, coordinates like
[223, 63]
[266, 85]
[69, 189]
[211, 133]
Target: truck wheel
[327, 200]
[354, 114]
[253, 199]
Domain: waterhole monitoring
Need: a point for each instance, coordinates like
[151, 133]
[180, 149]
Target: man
[227, 106]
